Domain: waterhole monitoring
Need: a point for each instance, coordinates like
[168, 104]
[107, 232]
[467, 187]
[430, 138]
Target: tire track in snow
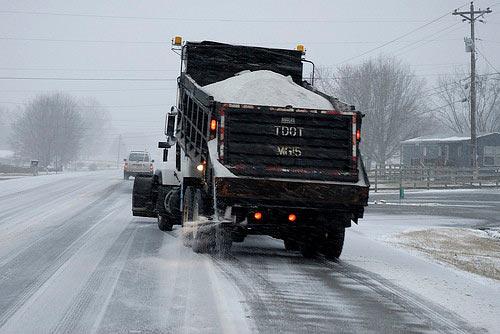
[46, 232]
[322, 296]
[436, 317]
[35, 189]
[133, 304]
[42, 200]
[268, 314]
[25, 273]
[101, 283]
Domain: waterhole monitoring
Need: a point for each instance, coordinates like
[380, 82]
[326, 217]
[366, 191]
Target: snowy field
[74, 260]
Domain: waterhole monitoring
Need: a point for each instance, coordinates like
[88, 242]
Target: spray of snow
[265, 88]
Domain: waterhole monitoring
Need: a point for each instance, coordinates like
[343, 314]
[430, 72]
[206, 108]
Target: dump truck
[258, 151]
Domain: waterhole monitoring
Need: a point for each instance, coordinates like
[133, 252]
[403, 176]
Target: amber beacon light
[177, 41]
[301, 48]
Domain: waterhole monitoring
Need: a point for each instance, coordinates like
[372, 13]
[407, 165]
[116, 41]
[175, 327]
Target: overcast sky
[126, 40]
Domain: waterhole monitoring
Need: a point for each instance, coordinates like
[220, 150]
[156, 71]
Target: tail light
[213, 128]
[292, 217]
[257, 215]
[358, 135]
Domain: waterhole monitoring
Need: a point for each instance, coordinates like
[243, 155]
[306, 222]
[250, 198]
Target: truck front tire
[165, 221]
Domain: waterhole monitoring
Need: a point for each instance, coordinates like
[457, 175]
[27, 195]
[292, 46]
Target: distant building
[451, 151]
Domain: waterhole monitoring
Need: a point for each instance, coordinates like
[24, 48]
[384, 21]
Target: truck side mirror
[165, 155]
[164, 144]
[170, 125]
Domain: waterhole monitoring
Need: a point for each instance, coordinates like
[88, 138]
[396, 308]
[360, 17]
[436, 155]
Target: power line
[31, 39]
[88, 90]
[423, 41]
[103, 106]
[397, 38]
[167, 43]
[237, 20]
[73, 69]
[487, 61]
[438, 64]
[85, 79]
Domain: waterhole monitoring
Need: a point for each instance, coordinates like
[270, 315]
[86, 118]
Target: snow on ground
[382, 192]
[14, 185]
[265, 88]
[74, 260]
[429, 204]
[370, 246]
[493, 233]
[467, 249]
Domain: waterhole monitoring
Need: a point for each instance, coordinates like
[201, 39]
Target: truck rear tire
[291, 245]
[333, 244]
[309, 249]
[164, 223]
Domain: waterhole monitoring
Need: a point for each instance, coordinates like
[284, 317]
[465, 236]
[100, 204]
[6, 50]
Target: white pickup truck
[138, 162]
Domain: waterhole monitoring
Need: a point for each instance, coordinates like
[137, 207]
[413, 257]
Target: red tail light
[213, 128]
[257, 215]
[358, 134]
[292, 218]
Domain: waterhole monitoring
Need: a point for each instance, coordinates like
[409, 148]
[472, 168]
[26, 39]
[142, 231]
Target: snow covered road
[74, 260]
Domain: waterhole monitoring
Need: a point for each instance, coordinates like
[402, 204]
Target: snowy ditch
[467, 249]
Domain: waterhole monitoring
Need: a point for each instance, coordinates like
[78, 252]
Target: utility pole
[471, 16]
[119, 149]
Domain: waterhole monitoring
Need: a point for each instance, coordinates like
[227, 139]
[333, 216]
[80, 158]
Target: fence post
[428, 178]
[401, 189]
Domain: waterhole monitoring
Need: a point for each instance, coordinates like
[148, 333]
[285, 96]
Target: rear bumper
[135, 173]
[252, 192]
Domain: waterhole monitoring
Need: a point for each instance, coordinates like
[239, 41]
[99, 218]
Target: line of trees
[453, 98]
[398, 106]
[56, 128]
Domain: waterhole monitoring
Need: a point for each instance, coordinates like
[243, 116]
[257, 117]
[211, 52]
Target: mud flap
[144, 196]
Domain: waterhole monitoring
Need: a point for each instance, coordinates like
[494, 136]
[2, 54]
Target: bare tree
[5, 124]
[50, 130]
[96, 123]
[391, 97]
[454, 108]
